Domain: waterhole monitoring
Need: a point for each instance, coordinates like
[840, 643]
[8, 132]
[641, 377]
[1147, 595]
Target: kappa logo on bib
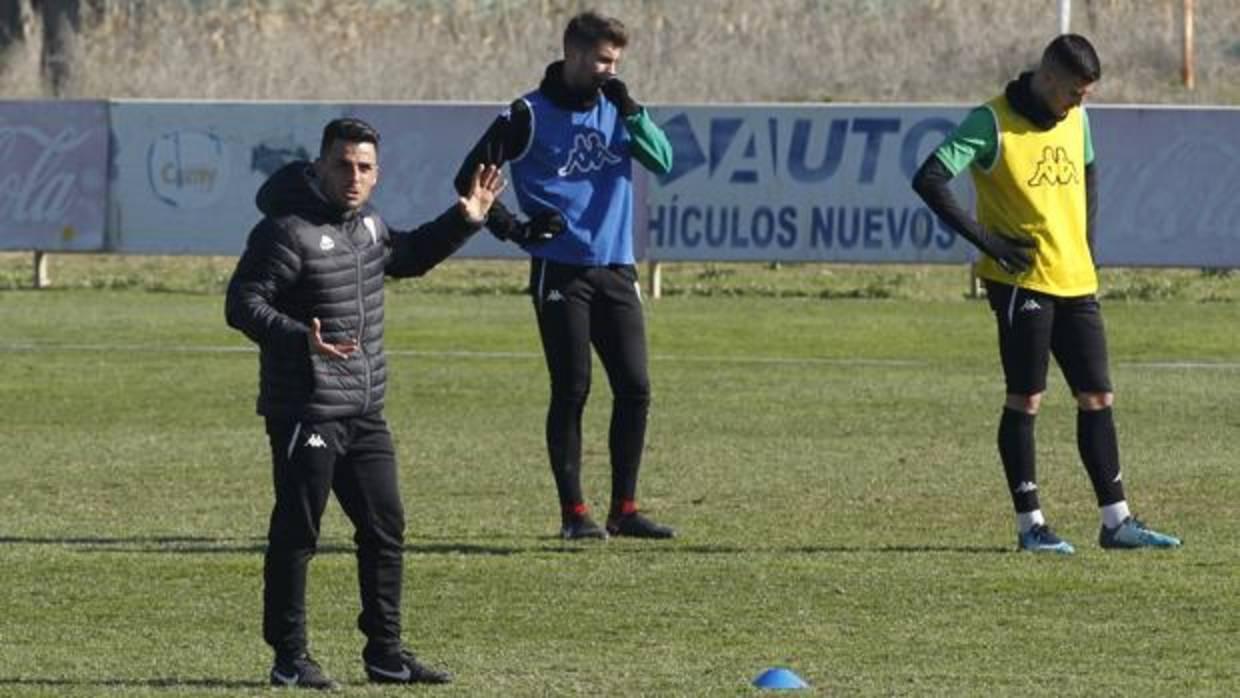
[1054, 168]
[589, 154]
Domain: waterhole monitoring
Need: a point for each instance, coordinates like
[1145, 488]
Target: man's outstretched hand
[487, 184]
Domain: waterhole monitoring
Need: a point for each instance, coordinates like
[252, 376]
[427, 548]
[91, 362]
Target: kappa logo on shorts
[554, 296]
[1030, 306]
[316, 441]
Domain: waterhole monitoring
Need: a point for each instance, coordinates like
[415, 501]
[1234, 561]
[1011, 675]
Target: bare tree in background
[61, 20]
[15, 20]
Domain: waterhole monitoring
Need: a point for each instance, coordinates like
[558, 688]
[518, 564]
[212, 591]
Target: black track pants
[355, 459]
[578, 308]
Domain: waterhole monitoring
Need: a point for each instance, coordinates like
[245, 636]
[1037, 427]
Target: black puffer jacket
[308, 258]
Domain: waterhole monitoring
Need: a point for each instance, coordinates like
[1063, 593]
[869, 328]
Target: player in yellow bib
[1031, 158]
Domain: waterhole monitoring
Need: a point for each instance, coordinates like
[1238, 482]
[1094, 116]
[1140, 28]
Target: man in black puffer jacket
[309, 291]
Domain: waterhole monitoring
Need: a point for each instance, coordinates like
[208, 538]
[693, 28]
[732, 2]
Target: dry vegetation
[684, 50]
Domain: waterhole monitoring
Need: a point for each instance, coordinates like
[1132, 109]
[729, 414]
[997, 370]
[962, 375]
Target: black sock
[564, 449]
[1095, 437]
[1017, 449]
[626, 440]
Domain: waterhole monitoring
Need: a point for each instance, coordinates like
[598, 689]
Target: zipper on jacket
[361, 319]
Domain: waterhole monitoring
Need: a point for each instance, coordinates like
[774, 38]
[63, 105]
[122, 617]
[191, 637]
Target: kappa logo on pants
[554, 296]
[316, 441]
[1030, 306]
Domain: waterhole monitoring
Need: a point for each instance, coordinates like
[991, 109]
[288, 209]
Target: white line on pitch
[24, 347]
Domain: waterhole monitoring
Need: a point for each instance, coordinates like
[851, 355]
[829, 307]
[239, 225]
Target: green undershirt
[976, 140]
[650, 144]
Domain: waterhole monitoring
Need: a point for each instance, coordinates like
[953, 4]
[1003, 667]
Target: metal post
[1065, 15]
[975, 283]
[1189, 79]
[655, 276]
[41, 279]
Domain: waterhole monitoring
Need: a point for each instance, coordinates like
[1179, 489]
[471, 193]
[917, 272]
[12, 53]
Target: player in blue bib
[570, 146]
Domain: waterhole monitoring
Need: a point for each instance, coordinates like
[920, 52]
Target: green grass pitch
[830, 463]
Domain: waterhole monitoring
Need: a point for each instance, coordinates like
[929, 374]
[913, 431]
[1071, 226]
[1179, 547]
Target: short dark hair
[350, 130]
[1075, 54]
[588, 29]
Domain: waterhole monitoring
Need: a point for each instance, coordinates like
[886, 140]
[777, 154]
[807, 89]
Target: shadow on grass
[203, 545]
[904, 549]
[112, 540]
[657, 548]
[152, 544]
[222, 684]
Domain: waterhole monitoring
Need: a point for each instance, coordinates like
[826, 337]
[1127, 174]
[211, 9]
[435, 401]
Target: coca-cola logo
[40, 183]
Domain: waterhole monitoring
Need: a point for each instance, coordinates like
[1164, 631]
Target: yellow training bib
[1036, 190]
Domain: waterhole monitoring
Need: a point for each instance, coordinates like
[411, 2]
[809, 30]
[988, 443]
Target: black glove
[617, 93]
[1014, 255]
[541, 227]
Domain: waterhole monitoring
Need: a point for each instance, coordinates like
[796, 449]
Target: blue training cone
[779, 679]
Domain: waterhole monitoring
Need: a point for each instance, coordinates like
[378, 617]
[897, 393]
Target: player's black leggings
[355, 459]
[579, 307]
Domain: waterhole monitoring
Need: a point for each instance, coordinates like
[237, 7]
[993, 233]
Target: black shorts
[1034, 325]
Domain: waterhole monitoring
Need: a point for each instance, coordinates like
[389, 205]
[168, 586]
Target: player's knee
[565, 410]
[381, 539]
[572, 390]
[634, 393]
[633, 401]
[292, 542]
[1092, 402]
[1029, 404]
